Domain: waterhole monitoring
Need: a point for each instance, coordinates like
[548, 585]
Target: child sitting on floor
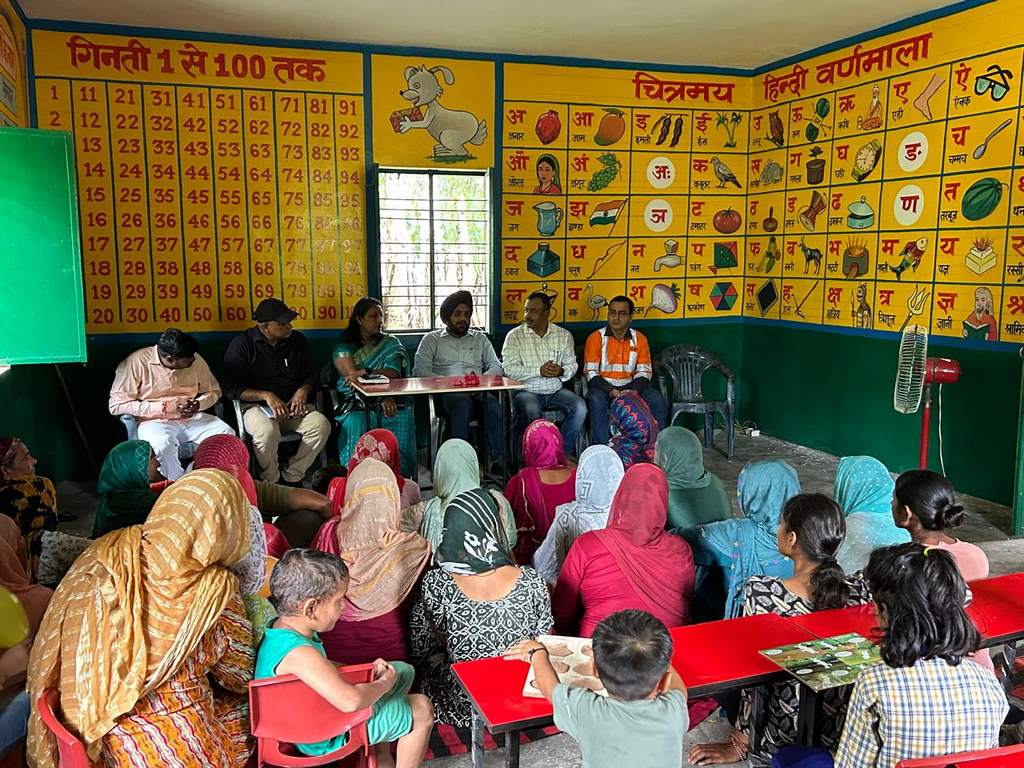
[308, 590]
[644, 717]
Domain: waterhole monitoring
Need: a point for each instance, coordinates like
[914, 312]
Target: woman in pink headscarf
[544, 483]
[382, 445]
[384, 565]
[632, 563]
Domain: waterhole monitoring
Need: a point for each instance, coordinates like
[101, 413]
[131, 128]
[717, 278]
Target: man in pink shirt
[167, 387]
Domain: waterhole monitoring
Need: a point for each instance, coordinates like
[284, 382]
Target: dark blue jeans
[599, 402]
[460, 409]
[528, 407]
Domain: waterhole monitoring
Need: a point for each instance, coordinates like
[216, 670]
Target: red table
[711, 658]
[997, 609]
[442, 385]
[861, 619]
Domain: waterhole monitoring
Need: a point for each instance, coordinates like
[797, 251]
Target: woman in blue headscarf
[746, 546]
[864, 491]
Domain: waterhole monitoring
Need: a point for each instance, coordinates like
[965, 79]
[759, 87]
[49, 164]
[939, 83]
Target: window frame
[493, 315]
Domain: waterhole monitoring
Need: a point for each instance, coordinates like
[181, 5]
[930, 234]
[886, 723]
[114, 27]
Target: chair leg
[730, 434]
[709, 429]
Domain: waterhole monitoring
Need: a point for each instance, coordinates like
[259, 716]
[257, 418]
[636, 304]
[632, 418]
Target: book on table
[573, 660]
[827, 663]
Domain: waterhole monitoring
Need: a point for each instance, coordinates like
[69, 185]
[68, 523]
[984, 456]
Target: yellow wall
[211, 176]
[907, 105]
[204, 190]
[13, 66]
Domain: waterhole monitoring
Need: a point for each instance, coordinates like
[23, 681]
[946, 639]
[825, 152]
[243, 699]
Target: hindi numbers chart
[210, 177]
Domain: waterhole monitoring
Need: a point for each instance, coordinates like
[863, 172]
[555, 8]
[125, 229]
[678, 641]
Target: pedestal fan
[915, 373]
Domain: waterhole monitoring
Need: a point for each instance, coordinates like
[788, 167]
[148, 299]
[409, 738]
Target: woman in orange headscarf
[146, 621]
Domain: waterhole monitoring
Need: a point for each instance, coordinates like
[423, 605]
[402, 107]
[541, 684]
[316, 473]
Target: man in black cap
[269, 369]
[458, 350]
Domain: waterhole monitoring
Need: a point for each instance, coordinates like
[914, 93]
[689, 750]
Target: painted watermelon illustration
[982, 198]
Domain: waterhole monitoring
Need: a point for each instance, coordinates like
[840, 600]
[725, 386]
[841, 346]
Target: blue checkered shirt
[928, 710]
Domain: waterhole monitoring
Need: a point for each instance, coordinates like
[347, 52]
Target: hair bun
[952, 516]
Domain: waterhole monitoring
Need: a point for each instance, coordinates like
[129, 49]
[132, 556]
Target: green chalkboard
[41, 303]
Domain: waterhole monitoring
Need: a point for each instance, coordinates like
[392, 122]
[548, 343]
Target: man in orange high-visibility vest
[616, 359]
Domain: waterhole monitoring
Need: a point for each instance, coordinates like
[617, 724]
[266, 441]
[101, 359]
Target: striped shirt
[525, 352]
[928, 710]
[617, 362]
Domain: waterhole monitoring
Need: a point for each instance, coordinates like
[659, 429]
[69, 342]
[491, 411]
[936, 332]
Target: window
[435, 235]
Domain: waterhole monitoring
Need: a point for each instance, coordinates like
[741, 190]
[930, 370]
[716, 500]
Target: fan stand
[938, 370]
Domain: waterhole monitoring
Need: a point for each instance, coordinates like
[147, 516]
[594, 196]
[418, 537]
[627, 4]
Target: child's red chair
[1002, 757]
[69, 747]
[284, 711]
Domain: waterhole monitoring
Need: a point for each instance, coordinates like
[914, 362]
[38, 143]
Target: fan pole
[926, 425]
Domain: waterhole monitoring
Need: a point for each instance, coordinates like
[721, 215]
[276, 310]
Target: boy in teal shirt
[308, 590]
[644, 718]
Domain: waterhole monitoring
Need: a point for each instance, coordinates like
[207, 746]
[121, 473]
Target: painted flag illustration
[606, 213]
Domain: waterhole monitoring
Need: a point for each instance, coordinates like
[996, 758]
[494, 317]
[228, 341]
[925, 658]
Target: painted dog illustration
[451, 129]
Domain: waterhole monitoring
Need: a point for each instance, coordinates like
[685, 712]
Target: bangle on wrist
[532, 651]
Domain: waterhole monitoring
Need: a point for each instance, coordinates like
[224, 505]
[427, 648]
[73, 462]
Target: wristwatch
[529, 654]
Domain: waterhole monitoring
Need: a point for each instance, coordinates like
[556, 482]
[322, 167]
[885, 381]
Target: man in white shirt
[458, 350]
[540, 354]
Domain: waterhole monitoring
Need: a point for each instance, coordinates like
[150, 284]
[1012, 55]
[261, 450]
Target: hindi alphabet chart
[621, 182]
[893, 164]
[211, 176]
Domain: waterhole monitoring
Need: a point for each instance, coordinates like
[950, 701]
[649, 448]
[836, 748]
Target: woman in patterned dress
[810, 532]
[27, 498]
[477, 604]
[164, 682]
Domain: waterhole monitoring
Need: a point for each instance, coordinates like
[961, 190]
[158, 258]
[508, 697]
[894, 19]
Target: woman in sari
[631, 563]
[384, 566]
[747, 546]
[546, 482]
[165, 683]
[225, 452]
[695, 496]
[597, 479]
[14, 574]
[124, 487]
[27, 498]
[457, 472]
[382, 445]
[475, 605]
[863, 490]
[633, 428]
[366, 350]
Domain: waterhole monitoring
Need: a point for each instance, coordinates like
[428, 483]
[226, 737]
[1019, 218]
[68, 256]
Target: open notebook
[573, 660]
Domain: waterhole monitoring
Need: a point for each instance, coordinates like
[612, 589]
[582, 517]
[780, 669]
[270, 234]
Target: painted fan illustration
[915, 374]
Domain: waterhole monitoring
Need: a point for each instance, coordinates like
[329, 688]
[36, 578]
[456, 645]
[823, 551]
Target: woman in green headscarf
[695, 496]
[125, 495]
[457, 472]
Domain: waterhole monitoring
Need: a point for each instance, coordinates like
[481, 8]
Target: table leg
[512, 749]
[477, 740]
[1004, 660]
[504, 405]
[756, 718]
[809, 720]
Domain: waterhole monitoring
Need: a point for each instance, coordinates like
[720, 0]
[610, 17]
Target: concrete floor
[987, 525]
